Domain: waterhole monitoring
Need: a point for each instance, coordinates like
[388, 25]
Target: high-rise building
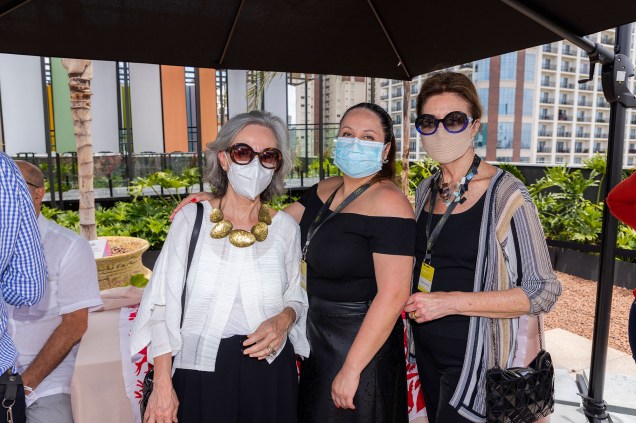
[339, 93]
[535, 111]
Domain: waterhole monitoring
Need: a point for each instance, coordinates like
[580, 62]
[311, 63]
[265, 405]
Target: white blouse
[265, 276]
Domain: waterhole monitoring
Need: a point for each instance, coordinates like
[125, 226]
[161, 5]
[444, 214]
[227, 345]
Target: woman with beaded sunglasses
[481, 258]
[245, 311]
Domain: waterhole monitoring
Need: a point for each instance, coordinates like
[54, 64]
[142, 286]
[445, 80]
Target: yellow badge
[426, 278]
[303, 274]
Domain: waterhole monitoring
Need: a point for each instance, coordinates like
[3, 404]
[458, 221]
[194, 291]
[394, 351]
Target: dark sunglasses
[242, 154]
[454, 122]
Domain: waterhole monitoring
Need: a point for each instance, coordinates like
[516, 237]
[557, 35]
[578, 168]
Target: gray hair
[217, 177]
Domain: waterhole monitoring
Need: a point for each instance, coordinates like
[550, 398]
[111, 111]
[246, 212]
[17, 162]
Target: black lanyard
[318, 222]
[432, 237]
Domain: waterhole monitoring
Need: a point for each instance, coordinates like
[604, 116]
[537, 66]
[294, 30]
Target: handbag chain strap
[494, 339]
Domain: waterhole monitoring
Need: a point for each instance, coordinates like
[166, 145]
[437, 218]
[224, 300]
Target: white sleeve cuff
[297, 307]
[159, 338]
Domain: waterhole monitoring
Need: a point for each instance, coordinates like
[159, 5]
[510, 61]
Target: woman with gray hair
[232, 361]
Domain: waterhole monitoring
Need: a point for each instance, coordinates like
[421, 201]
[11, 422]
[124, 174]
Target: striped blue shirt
[22, 265]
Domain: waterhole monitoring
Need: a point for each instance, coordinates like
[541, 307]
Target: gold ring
[414, 315]
[269, 350]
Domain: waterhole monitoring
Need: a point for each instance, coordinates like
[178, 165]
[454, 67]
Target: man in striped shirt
[22, 274]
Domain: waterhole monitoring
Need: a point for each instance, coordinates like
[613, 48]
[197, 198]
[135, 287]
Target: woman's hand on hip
[162, 404]
[269, 336]
[192, 198]
[344, 388]
[426, 306]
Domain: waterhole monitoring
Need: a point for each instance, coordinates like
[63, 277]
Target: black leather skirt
[381, 396]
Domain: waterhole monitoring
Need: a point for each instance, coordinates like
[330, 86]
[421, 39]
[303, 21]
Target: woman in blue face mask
[358, 243]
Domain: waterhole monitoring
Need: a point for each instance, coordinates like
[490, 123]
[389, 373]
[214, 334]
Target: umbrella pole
[593, 404]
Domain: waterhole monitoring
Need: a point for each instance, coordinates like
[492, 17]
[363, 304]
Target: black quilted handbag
[148, 383]
[520, 394]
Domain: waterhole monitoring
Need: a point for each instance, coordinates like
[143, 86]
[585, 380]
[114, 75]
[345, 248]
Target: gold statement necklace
[239, 237]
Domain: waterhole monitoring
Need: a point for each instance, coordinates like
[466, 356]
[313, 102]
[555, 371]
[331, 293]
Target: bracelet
[27, 388]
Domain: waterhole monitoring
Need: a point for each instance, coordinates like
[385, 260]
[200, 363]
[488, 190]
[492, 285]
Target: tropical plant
[257, 83]
[418, 171]
[513, 170]
[598, 164]
[564, 211]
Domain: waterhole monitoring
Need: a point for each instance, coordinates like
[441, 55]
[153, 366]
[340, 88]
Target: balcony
[582, 150]
[567, 51]
[546, 117]
[567, 85]
[633, 121]
[545, 133]
[562, 150]
[384, 83]
[632, 151]
[606, 39]
[600, 102]
[601, 120]
[548, 48]
[566, 102]
[547, 100]
[599, 150]
[384, 97]
[396, 107]
[565, 118]
[547, 149]
[397, 93]
[601, 135]
[570, 69]
[584, 103]
[583, 135]
[584, 69]
[586, 87]
[548, 83]
[583, 119]
[548, 66]
[564, 134]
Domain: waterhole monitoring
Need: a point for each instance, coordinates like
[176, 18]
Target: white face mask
[444, 147]
[249, 180]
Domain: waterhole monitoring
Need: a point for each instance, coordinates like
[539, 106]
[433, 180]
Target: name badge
[426, 278]
[303, 274]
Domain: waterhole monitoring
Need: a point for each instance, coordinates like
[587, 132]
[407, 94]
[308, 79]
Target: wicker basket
[116, 271]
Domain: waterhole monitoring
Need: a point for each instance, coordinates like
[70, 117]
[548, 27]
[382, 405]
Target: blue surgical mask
[358, 158]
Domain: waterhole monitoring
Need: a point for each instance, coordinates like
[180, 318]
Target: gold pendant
[240, 238]
[264, 214]
[221, 229]
[216, 215]
[260, 231]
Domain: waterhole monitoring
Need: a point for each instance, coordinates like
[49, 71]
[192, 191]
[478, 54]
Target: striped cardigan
[512, 252]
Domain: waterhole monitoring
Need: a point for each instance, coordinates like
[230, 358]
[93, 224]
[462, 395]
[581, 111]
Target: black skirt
[381, 396]
[241, 389]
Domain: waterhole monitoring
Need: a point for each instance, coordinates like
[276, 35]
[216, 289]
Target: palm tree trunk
[406, 134]
[80, 73]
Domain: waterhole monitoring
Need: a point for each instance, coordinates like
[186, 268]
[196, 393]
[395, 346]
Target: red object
[622, 201]
[634, 293]
[194, 200]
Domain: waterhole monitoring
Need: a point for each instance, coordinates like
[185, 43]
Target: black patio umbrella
[396, 39]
